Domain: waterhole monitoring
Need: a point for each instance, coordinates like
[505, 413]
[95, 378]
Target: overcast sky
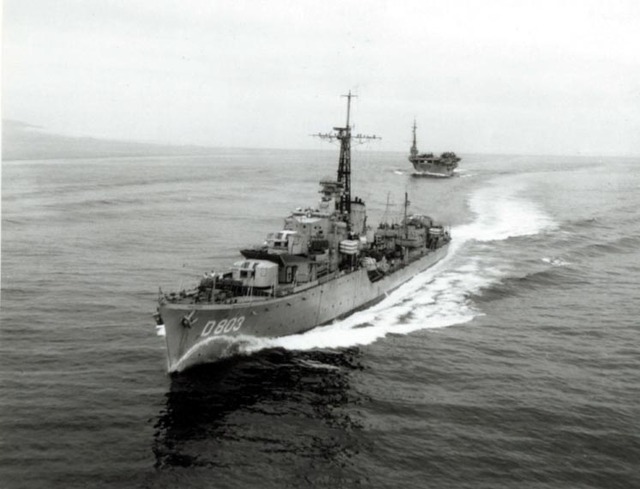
[542, 77]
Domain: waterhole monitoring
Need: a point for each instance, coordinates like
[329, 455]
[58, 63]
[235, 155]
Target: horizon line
[45, 132]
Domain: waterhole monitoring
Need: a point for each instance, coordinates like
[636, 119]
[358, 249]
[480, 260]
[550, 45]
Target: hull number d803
[223, 326]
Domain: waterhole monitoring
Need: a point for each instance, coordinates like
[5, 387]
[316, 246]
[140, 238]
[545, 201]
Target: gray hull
[433, 169]
[214, 331]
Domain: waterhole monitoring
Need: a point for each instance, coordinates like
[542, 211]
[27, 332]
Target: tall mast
[343, 134]
[349, 95]
[344, 164]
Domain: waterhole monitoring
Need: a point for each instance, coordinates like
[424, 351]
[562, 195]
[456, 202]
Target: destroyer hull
[214, 331]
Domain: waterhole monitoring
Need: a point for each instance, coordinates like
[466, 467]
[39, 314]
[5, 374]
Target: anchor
[188, 321]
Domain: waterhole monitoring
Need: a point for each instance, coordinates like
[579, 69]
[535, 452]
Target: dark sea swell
[512, 362]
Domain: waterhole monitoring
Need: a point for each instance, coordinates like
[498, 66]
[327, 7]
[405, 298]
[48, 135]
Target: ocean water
[513, 363]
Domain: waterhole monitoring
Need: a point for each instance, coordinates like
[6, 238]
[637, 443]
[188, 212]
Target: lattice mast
[343, 134]
[344, 164]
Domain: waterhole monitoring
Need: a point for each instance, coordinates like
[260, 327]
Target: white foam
[225, 346]
[502, 213]
[556, 262]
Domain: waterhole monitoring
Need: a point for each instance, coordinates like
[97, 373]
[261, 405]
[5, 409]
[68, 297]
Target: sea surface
[514, 363]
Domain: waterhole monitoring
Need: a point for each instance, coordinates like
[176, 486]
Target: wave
[586, 223]
[613, 245]
[555, 261]
[515, 286]
[97, 203]
[15, 222]
[502, 213]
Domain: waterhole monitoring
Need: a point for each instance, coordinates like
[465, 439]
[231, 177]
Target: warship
[324, 264]
[430, 165]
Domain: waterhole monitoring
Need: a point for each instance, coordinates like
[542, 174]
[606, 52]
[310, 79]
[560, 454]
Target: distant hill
[21, 141]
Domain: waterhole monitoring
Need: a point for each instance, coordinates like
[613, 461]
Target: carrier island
[324, 264]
